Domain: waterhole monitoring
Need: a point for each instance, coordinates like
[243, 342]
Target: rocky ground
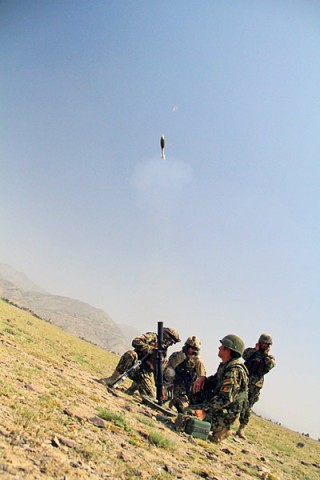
[57, 422]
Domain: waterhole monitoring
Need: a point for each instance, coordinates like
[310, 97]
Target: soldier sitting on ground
[258, 362]
[225, 392]
[183, 368]
[143, 376]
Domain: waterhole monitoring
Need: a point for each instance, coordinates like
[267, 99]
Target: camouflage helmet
[265, 338]
[234, 343]
[193, 342]
[171, 334]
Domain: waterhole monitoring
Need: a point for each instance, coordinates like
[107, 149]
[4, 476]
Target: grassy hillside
[57, 422]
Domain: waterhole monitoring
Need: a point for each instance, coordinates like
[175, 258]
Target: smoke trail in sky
[160, 186]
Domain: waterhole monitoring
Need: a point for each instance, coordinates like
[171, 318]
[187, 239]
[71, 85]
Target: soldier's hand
[201, 414]
[163, 394]
[150, 364]
[198, 384]
[148, 349]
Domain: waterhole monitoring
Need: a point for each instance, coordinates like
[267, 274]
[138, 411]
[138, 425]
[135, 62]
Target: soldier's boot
[131, 390]
[240, 432]
[110, 380]
[184, 403]
[219, 434]
[181, 404]
[181, 422]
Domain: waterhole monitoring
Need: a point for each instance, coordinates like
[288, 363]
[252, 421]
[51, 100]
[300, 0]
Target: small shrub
[202, 443]
[134, 442]
[112, 417]
[78, 357]
[24, 416]
[159, 440]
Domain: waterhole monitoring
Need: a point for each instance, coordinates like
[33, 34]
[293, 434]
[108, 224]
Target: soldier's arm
[269, 363]
[199, 384]
[175, 359]
[228, 390]
[203, 382]
[248, 353]
[200, 368]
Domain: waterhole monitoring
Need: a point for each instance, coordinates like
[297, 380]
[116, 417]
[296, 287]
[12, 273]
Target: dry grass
[49, 400]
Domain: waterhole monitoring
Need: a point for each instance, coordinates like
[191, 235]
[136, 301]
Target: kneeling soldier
[226, 391]
[143, 376]
[184, 368]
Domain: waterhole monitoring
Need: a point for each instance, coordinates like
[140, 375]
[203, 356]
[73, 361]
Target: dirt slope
[50, 426]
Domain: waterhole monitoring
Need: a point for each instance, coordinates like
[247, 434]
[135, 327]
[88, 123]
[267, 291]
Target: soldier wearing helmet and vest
[225, 392]
[258, 362]
[183, 369]
[143, 376]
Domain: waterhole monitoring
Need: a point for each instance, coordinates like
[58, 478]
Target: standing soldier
[226, 391]
[183, 369]
[258, 362]
[143, 376]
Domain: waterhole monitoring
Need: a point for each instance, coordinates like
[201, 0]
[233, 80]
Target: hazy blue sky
[221, 237]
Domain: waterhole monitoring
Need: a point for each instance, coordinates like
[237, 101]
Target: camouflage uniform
[182, 370]
[222, 395]
[187, 370]
[142, 376]
[227, 392]
[143, 379]
[258, 364]
[176, 358]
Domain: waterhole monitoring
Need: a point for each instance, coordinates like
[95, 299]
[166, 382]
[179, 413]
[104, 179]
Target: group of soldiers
[219, 399]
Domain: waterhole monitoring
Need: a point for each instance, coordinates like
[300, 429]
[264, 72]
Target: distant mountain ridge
[17, 280]
[74, 316]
